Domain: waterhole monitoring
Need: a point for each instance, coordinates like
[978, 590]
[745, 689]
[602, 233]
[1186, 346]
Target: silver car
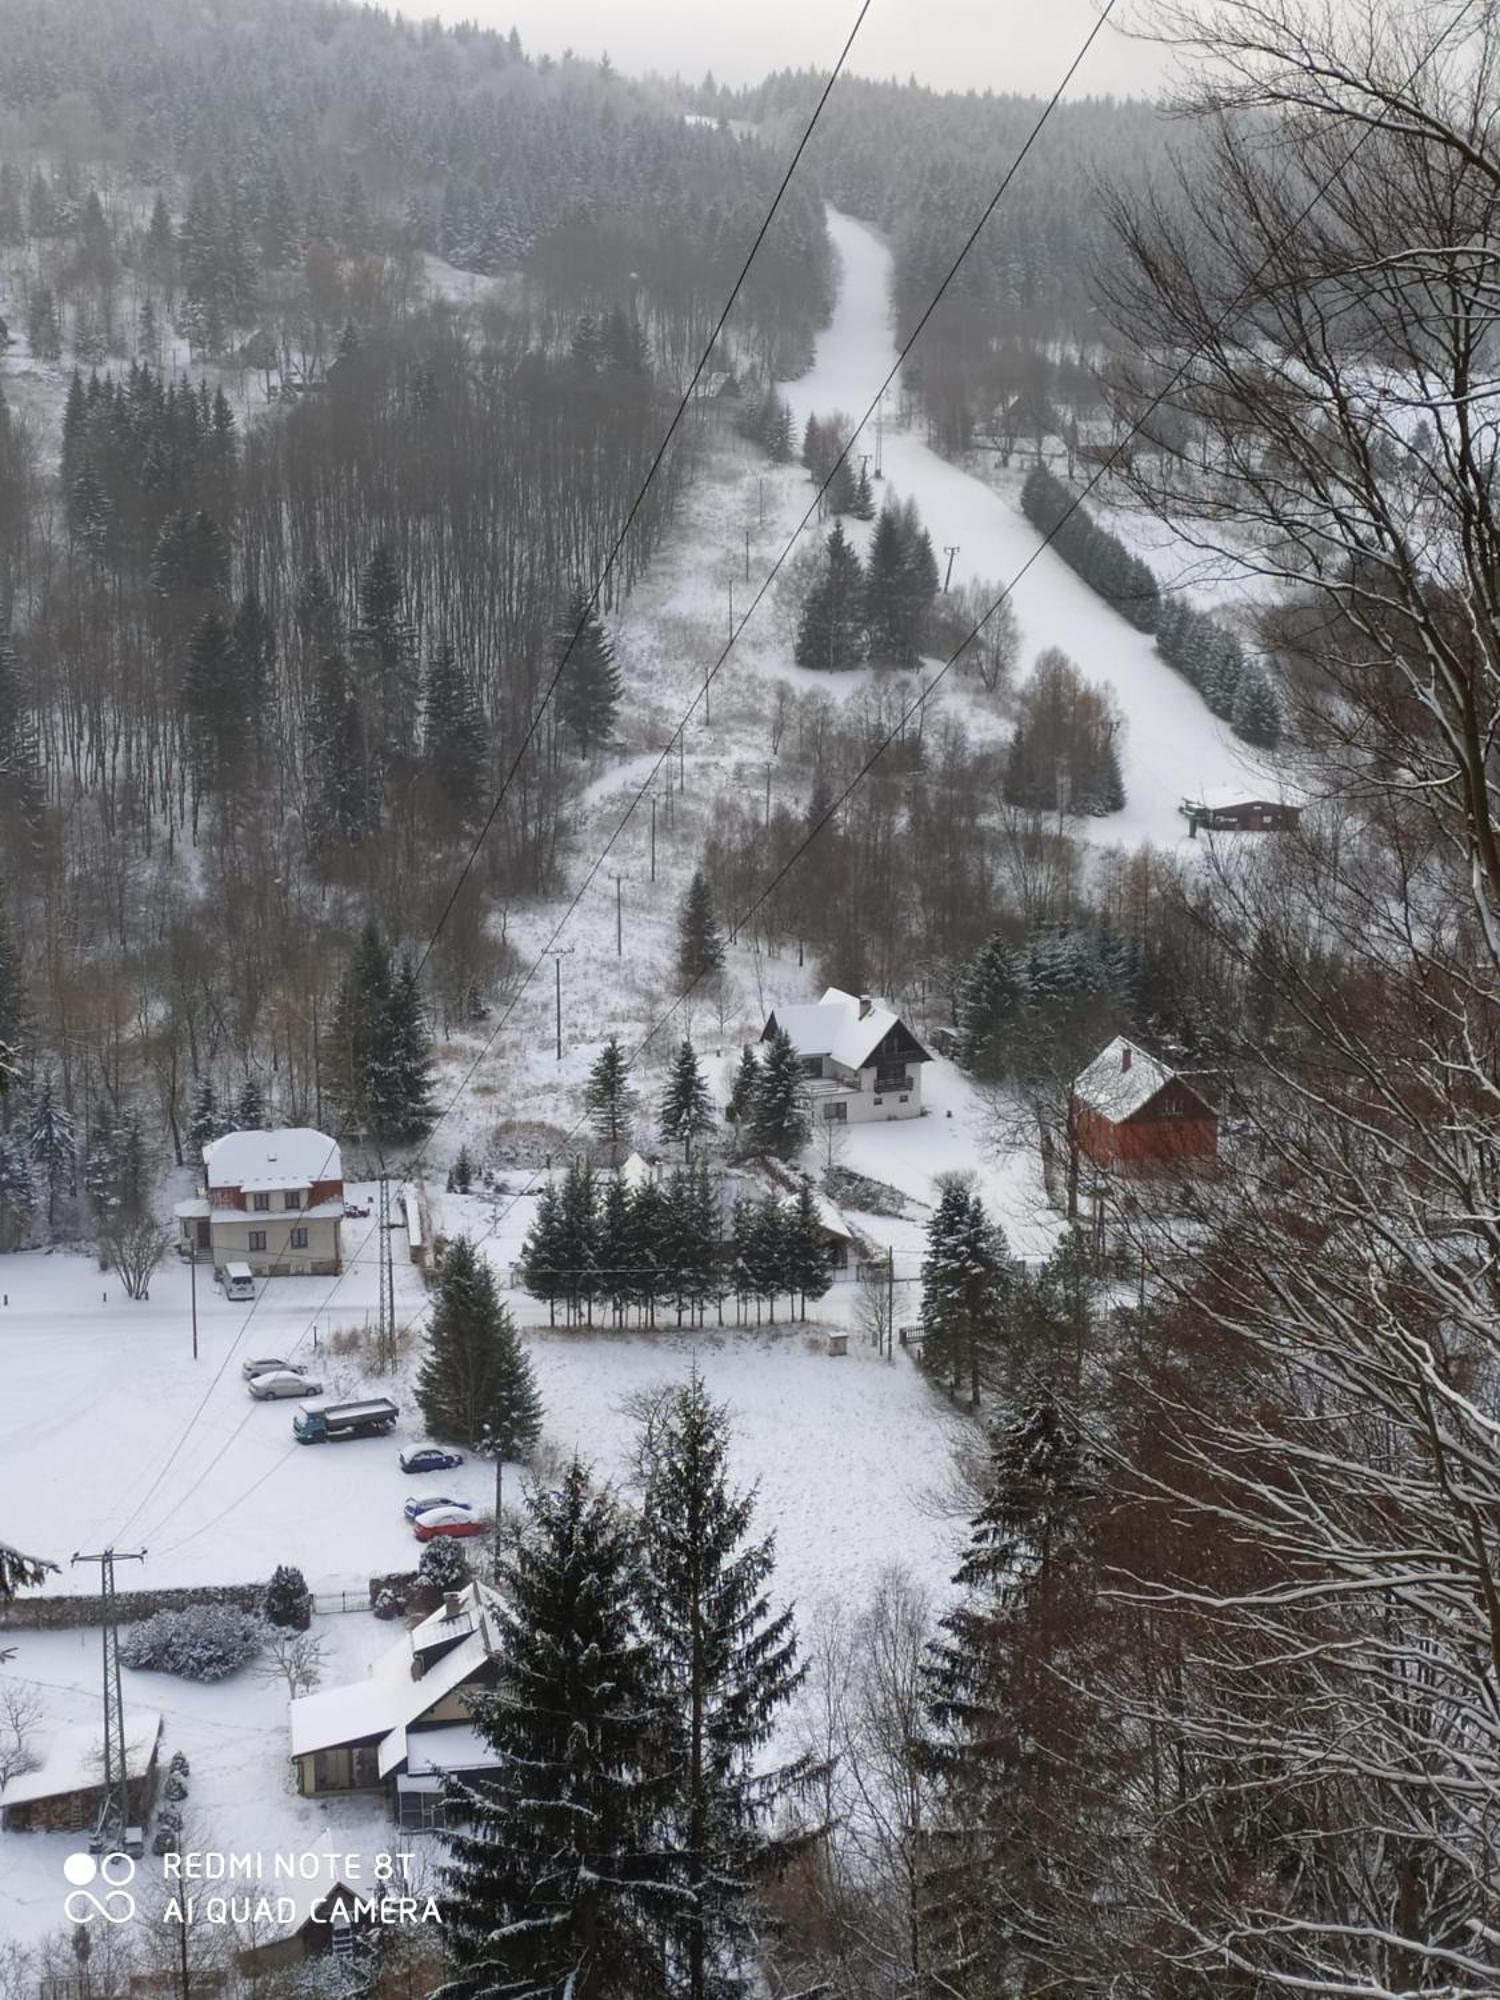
[270, 1365]
[279, 1382]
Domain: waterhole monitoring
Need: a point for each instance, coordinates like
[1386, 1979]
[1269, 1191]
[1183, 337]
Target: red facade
[1173, 1128]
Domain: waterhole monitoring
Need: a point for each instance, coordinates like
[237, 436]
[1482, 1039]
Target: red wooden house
[1130, 1112]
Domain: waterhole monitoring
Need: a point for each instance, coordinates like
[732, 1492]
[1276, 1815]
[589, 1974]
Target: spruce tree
[778, 1115]
[17, 1186]
[552, 1885]
[740, 1104]
[588, 694]
[204, 1122]
[343, 795]
[52, 1143]
[990, 998]
[475, 1386]
[831, 634]
[288, 1601]
[807, 1259]
[386, 654]
[725, 1667]
[409, 1055]
[379, 1049]
[686, 1107]
[454, 740]
[966, 1277]
[609, 1099]
[542, 1269]
[250, 1106]
[1008, 1715]
[700, 948]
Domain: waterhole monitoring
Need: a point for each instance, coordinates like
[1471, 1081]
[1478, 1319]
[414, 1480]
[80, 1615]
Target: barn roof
[1121, 1080]
[835, 1026]
[294, 1156]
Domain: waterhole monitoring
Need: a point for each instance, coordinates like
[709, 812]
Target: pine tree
[725, 1666]
[609, 1099]
[161, 246]
[887, 602]
[475, 1386]
[53, 1146]
[778, 1115]
[1256, 715]
[588, 694]
[409, 1053]
[686, 1107]
[551, 1887]
[454, 739]
[543, 1271]
[830, 634]
[700, 948]
[966, 1275]
[864, 498]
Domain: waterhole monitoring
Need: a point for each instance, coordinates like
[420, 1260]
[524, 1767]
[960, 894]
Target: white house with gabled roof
[272, 1200]
[862, 1063]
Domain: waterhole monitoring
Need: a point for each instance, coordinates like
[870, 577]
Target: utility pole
[193, 1292]
[768, 791]
[653, 836]
[890, 1302]
[385, 1338]
[747, 555]
[950, 550]
[619, 926]
[879, 432]
[111, 1833]
[557, 958]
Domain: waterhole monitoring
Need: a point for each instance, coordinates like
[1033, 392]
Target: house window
[836, 1112]
[366, 1766]
[292, 1200]
[257, 1239]
[299, 1239]
[880, 1100]
[906, 1100]
[260, 1202]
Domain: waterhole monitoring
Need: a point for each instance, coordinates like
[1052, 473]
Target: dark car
[430, 1458]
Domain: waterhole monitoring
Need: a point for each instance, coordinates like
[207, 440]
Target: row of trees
[645, 1244]
[1202, 650]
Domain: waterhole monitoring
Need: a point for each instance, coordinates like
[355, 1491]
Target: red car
[446, 1521]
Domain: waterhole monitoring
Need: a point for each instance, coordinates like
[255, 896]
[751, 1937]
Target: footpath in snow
[1173, 746]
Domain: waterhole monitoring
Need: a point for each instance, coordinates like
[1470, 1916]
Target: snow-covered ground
[1173, 745]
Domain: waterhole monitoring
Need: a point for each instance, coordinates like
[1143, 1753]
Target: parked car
[446, 1521]
[430, 1458]
[275, 1382]
[357, 1209]
[415, 1507]
[271, 1366]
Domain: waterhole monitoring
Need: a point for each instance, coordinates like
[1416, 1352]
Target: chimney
[865, 1004]
[1125, 1054]
[451, 1606]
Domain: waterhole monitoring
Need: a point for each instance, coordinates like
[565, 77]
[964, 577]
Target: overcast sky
[1022, 45]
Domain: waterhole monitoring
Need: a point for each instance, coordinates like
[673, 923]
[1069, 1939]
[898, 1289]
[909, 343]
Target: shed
[65, 1792]
[1234, 812]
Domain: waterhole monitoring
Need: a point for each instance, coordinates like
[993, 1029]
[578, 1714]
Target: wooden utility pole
[950, 549]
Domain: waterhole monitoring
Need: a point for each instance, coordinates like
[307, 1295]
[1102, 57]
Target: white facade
[862, 1063]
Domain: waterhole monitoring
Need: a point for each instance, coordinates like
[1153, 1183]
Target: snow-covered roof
[447, 1746]
[298, 1899]
[638, 1172]
[841, 1025]
[73, 1760]
[1121, 1080]
[830, 1217]
[294, 1156]
[186, 1211]
[1221, 798]
[390, 1698]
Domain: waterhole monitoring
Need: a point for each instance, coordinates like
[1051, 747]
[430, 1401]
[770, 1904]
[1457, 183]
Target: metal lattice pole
[114, 1814]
